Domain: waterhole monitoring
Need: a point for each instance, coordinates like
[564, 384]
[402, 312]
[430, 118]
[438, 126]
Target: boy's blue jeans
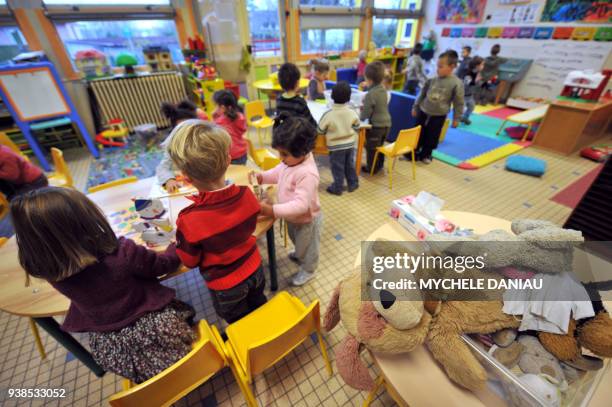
[470, 103]
[343, 165]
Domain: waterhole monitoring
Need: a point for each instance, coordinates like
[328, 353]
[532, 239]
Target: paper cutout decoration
[543, 33]
[562, 33]
[584, 33]
[510, 32]
[494, 32]
[526, 32]
[468, 32]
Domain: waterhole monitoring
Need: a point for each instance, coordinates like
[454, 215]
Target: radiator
[137, 100]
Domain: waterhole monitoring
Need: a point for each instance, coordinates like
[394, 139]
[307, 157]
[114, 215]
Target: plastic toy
[92, 63]
[371, 52]
[526, 165]
[127, 61]
[596, 153]
[116, 129]
[155, 226]
[587, 84]
[158, 58]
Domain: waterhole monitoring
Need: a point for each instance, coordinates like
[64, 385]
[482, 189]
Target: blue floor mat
[464, 145]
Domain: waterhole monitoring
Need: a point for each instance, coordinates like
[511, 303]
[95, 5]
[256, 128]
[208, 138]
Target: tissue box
[415, 223]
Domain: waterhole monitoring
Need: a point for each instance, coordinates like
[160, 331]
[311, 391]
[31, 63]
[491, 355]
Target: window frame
[271, 59]
[401, 15]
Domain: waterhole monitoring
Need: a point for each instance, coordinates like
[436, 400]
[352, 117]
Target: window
[265, 27]
[116, 37]
[384, 31]
[101, 3]
[329, 3]
[12, 43]
[388, 4]
[325, 40]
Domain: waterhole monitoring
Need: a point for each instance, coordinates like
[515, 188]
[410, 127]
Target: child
[18, 175]
[290, 102]
[434, 102]
[339, 126]
[297, 177]
[184, 110]
[215, 233]
[309, 66]
[363, 54]
[136, 326]
[489, 74]
[471, 81]
[465, 62]
[316, 87]
[414, 71]
[376, 110]
[229, 116]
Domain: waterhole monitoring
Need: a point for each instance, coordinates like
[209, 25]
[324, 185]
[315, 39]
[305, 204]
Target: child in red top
[215, 233]
[18, 175]
[229, 116]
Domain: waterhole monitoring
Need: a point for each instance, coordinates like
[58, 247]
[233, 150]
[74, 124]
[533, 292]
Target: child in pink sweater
[297, 177]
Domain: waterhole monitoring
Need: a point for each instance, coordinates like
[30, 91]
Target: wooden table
[569, 126]
[528, 117]
[271, 88]
[40, 301]
[317, 110]
[415, 378]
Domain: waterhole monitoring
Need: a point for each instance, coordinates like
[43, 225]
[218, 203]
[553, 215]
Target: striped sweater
[295, 106]
[215, 233]
[339, 125]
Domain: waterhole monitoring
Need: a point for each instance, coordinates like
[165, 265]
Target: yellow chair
[4, 206]
[255, 112]
[111, 184]
[407, 141]
[3, 241]
[6, 141]
[61, 177]
[262, 157]
[267, 335]
[205, 359]
[444, 130]
[333, 75]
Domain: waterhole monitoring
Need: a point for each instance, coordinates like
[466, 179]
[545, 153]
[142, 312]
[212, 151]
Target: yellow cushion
[267, 322]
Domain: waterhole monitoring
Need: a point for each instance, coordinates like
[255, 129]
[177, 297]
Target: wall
[553, 59]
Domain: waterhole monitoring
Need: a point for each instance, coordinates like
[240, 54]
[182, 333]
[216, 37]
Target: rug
[485, 108]
[470, 151]
[133, 160]
[502, 113]
[571, 195]
[485, 126]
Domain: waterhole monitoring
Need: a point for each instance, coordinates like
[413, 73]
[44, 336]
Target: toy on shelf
[155, 227]
[92, 63]
[587, 85]
[371, 56]
[28, 57]
[128, 62]
[116, 129]
[158, 58]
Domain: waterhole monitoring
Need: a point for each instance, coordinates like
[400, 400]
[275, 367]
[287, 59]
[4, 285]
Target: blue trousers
[343, 165]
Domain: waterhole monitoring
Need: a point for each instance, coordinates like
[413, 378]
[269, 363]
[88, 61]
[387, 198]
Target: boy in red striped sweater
[215, 233]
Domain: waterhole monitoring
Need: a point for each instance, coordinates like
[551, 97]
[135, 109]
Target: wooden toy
[128, 62]
[155, 227]
[586, 85]
[158, 58]
[116, 129]
[92, 63]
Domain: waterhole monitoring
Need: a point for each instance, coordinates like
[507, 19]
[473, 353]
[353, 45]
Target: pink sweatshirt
[298, 196]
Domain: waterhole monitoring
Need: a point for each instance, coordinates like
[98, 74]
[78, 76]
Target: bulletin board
[460, 11]
[584, 11]
[33, 93]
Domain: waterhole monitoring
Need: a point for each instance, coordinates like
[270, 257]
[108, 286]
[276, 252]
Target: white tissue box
[415, 223]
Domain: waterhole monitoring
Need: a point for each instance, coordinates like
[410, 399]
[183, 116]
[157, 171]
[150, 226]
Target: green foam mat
[487, 126]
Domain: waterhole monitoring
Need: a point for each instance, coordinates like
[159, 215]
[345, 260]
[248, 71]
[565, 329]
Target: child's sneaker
[353, 188]
[333, 191]
[301, 278]
[293, 258]
[426, 160]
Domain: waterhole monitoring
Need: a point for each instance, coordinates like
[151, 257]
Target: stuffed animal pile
[543, 360]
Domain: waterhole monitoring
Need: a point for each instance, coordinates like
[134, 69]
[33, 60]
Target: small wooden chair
[111, 184]
[62, 176]
[255, 113]
[406, 142]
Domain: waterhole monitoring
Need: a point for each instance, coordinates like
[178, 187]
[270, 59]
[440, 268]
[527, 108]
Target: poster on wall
[460, 11]
[586, 11]
[524, 14]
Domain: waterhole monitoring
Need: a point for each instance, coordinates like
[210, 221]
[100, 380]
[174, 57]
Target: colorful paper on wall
[510, 32]
[524, 14]
[543, 33]
[460, 11]
[468, 32]
[526, 32]
[586, 11]
[455, 32]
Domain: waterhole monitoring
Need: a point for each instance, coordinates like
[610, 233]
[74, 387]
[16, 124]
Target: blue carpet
[464, 145]
[133, 160]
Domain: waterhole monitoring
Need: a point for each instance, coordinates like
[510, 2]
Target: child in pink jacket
[297, 177]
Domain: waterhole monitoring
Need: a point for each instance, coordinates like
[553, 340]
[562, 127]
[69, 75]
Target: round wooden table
[268, 86]
[415, 378]
[41, 302]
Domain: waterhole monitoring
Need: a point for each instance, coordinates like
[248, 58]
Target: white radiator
[137, 100]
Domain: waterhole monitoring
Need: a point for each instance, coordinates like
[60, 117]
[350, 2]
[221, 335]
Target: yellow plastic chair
[6, 141]
[407, 141]
[444, 130]
[262, 157]
[267, 335]
[4, 207]
[255, 112]
[205, 359]
[333, 75]
[111, 184]
[62, 176]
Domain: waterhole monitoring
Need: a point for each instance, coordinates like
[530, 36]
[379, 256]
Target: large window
[116, 37]
[384, 31]
[12, 43]
[265, 27]
[324, 40]
[112, 2]
[329, 3]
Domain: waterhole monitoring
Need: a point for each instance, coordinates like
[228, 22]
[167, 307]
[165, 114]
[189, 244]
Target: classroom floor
[299, 379]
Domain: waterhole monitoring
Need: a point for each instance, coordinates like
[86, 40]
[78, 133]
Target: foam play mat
[470, 151]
